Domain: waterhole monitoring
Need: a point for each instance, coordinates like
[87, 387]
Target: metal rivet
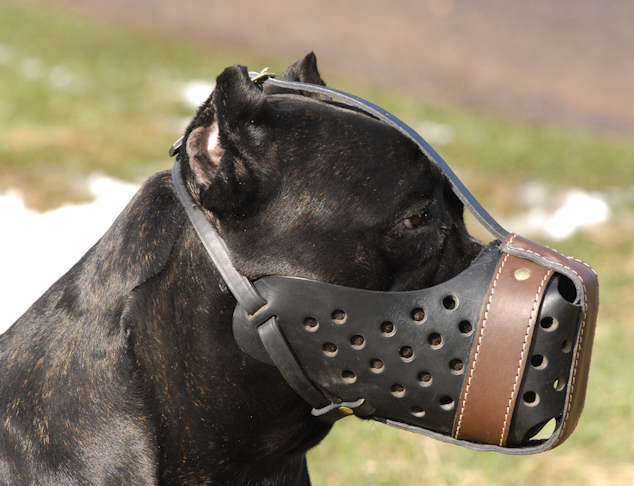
[522, 274]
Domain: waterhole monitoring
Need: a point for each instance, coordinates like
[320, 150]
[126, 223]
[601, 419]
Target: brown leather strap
[500, 350]
[587, 284]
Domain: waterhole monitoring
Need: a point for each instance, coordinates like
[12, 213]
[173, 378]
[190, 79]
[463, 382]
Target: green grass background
[122, 111]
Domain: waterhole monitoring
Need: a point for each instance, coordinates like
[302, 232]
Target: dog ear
[304, 70]
[223, 130]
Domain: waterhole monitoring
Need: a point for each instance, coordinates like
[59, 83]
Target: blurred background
[531, 102]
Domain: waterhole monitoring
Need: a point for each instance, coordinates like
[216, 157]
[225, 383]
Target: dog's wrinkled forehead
[351, 156]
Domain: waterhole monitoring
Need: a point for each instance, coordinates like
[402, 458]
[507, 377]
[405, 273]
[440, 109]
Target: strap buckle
[342, 406]
[260, 77]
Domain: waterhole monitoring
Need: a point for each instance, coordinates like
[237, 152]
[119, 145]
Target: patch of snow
[433, 132]
[60, 77]
[579, 209]
[559, 216]
[32, 68]
[38, 248]
[195, 92]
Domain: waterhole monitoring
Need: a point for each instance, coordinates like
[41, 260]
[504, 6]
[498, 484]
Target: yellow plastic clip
[346, 410]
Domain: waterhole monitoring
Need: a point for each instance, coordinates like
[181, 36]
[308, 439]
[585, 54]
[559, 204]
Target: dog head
[304, 187]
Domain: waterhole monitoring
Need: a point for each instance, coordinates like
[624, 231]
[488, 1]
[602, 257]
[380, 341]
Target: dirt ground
[564, 62]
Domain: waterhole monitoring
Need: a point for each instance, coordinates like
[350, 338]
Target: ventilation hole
[424, 378]
[417, 412]
[559, 384]
[449, 302]
[456, 366]
[329, 349]
[348, 376]
[418, 314]
[339, 316]
[539, 361]
[566, 346]
[567, 289]
[446, 402]
[435, 340]
[465, 327]
[398, 390]
[530, 398]
[549, 323]
[406, 353]
[377, 366]
[311, 324]
[387, 328]
[357, 341]
[542, 431]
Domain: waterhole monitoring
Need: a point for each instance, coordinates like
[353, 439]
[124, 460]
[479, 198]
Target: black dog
[126, 370]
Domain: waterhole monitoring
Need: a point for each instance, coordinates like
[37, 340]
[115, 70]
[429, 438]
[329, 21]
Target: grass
[119, 113]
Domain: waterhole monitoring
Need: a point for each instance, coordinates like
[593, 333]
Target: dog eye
[416, 220]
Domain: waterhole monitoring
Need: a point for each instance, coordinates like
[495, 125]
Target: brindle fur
[126, 371]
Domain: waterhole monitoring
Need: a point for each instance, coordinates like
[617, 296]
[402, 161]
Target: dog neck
[212, 403]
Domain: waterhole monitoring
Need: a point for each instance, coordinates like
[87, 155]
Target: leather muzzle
[485, 359]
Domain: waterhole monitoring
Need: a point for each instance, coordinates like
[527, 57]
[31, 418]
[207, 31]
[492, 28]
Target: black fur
[126, 372]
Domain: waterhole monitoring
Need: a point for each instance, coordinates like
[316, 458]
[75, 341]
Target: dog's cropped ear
[224, 129]
[305, 70]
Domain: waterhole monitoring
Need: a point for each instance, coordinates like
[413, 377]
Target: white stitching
[480, 336]
[553, 250]
[553, 262]
[583, 324]
[519, 364]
